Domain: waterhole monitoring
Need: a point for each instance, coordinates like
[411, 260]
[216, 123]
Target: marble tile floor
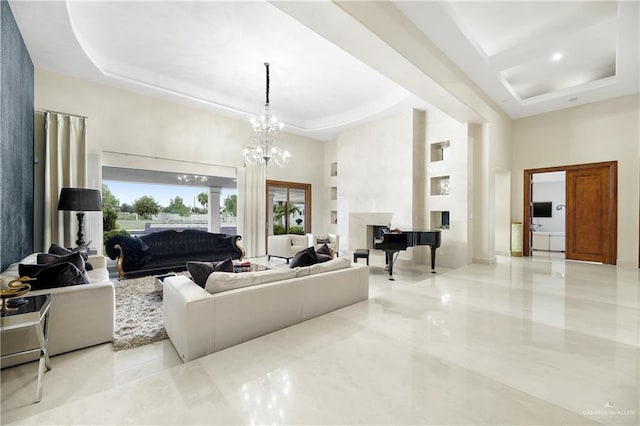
[525, 341]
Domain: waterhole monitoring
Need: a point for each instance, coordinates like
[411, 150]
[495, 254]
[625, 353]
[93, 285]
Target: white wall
[375, 174]
[125, 122]
[384, 172]
[503, 213]
[453, 251]
[330, 156]
[601, 131]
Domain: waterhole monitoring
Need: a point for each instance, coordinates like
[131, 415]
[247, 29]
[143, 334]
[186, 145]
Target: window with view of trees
[288, 207]
[144, 209]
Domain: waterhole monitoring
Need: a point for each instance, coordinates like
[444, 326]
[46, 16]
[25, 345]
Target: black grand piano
[393, 241]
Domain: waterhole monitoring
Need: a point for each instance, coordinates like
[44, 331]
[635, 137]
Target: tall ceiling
[211, 53]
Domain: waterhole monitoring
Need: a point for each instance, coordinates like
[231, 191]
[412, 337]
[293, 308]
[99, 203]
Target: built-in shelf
[334, 217]
[333, 169]
[440, 151]
[440, 219]
[334, 193]
[440, 185]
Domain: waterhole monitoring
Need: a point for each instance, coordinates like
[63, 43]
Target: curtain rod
[58, 112]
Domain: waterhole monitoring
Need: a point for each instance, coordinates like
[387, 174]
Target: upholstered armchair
[331, 240]
[287, 245]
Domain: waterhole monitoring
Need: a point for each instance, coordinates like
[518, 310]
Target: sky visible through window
[128, 192]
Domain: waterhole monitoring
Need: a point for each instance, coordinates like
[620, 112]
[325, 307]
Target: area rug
[138, 313]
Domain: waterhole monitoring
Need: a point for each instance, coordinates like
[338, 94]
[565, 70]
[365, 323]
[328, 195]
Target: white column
[214, 209]
[483, 197]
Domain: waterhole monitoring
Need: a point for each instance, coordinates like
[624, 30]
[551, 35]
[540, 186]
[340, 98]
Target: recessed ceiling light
[573, 99]
[556, 56]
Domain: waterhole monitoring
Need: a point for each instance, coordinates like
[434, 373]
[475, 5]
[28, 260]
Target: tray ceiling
[211, 54]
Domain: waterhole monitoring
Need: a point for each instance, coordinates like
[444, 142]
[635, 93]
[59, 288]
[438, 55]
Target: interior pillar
[483, 196]
[214, 209]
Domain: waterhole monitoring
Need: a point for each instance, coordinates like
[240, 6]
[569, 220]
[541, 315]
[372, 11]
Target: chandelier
[192, 179]
[266, 127]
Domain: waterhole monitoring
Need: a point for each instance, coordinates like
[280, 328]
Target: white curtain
[65, 166]
[253, 210]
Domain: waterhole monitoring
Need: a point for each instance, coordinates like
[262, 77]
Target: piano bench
[361, 254]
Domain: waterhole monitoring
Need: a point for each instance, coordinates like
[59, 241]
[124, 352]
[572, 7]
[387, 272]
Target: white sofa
[200, 323]
[81, 315]
[287, 245]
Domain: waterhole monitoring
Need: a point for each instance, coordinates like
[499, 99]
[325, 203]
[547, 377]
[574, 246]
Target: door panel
[589, 214]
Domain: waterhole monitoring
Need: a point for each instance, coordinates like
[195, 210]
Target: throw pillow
[54, 275]
[51, 259]
[323, 241]
[61, 251]
[200, 271]
[224, 266]
[304, 257]
[324, 253]
[137, 252]
[324, 249]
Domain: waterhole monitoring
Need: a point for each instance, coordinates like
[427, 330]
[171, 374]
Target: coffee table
[251, 267]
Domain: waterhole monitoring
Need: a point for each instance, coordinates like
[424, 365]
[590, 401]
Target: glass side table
[34, 313]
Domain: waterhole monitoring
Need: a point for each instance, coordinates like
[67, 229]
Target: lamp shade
[80, 200]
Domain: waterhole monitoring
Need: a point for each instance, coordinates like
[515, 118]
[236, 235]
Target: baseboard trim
[484, 260]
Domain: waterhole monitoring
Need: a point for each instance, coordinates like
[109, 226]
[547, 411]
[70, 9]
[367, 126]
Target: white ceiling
[506, 48]
[212, 54]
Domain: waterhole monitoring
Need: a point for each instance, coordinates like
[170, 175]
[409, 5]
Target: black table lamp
[80, 200]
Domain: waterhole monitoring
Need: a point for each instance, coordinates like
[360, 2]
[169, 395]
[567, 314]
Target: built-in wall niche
[440, 185]
[334, 217]
[333, 171]
[334, 193]
[440, 219]
[440, 151]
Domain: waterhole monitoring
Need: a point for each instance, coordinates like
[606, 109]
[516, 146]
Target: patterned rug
[138, 313]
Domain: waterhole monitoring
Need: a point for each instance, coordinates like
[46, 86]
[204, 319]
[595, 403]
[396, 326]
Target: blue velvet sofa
[169, 251]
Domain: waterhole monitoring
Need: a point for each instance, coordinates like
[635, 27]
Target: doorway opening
[590, 209]
[548, 195]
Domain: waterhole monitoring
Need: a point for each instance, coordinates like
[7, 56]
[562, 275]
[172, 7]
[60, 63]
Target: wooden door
[591, 201]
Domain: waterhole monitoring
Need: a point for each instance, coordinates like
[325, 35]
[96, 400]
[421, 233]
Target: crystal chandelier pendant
[266, 127]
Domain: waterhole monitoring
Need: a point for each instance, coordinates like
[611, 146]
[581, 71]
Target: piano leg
[433, 259]
[389, 256]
